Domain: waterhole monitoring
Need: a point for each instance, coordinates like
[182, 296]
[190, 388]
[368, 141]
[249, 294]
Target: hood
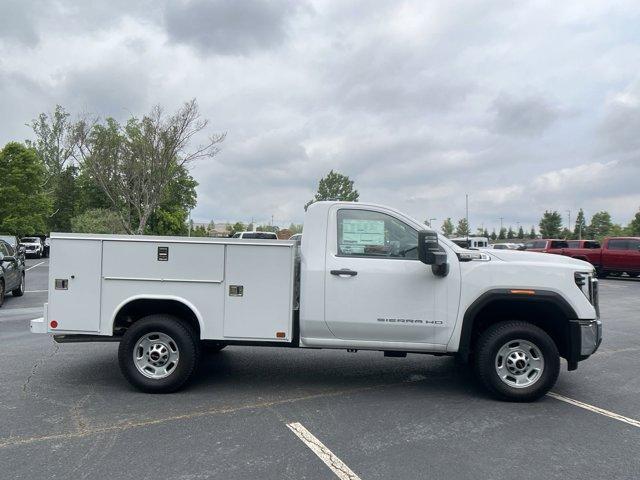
[536, 257]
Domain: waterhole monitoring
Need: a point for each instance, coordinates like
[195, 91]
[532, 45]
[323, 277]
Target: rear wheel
[158, 354]
[633, 275]
[517, 361]
[18, 292]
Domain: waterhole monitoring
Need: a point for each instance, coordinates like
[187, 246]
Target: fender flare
[541, 296]
[143, 296]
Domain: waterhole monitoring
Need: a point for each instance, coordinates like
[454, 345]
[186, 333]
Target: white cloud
[418, 102]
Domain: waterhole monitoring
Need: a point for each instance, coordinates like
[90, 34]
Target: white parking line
[35, 291]
[591, 408]
[34, 266]
[334, 463]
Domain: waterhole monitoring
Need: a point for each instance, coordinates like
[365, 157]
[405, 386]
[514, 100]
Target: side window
[539, 244]
[3, 249]
[236, 235]
[363, 233]
[591, 245]
[633, 244]
[559, 244]
[617, 244]
[9, 249]
[574, 244]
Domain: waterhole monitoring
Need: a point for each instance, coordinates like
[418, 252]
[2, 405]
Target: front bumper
[585, 338]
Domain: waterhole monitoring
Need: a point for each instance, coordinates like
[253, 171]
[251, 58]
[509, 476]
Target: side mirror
[429, 252]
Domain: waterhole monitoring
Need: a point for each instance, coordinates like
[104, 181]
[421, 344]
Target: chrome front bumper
[590, 337]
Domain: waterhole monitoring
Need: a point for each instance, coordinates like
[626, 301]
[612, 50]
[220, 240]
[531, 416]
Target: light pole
[430, 220]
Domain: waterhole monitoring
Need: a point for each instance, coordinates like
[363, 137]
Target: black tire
[185, 341]
[1, 292]
[633, 274]
[209, 347]
[18, 292]
[498, 335]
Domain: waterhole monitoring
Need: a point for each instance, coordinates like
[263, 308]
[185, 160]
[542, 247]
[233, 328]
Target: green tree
[335, 186]
[447, 227]
[97, 220]
[170, 218]
[550, 224]
[510, 233]
[237, 227]
[65, 200]
[54, 147]
[267, 228]
[503, 234]
[532, 232]
[634, 225]
[462, 230]
[600, 225]
[520, 232]
[485, 233]
[135, 163]
[493, 235]
[295, 228]
[200, 231]
[580, 229]
[25, 205]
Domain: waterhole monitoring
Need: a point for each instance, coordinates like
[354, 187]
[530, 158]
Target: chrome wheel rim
[22, 285]
[519, 363]
[156, 355]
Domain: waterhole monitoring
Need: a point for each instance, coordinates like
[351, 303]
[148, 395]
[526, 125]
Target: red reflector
[54, 324]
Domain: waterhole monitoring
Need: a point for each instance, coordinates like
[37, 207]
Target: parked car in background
[297, 237]
[505, 246]
[546, 246]
[471, 242]
[33, 246]
[616, 256]
[11, 272]
[14, 242]
[259, 235]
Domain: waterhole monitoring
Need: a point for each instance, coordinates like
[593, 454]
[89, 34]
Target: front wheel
[517, 361]
[158, 354]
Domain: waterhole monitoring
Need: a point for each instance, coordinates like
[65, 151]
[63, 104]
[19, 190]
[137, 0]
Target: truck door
[375, 287]
[614, 254]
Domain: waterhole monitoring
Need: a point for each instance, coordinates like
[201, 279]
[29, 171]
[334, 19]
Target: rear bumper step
[84, 338]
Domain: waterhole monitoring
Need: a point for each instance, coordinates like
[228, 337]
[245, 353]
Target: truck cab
[365, 277]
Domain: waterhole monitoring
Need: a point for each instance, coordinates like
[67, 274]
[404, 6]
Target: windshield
[30, 240]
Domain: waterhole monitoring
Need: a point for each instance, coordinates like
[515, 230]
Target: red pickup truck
[546, 246]
[616, 255]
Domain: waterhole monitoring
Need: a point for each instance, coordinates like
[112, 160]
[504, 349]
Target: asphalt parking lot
[66, 412]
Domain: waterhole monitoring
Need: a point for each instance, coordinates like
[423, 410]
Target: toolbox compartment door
[259, 292]
[74, 285]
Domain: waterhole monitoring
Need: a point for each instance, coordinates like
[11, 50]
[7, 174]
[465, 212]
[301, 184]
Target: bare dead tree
[134, 163]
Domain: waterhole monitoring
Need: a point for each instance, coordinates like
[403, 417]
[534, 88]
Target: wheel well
[140, 308]
[544, 314]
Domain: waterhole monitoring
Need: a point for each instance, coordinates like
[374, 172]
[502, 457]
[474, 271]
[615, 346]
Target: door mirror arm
[430, 253]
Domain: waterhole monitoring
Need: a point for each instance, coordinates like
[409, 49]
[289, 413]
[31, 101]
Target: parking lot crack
[34, 369]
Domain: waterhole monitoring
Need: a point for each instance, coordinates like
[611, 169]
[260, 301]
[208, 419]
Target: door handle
[344, 271]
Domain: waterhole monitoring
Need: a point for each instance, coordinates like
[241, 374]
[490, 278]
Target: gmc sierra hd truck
[366, 277]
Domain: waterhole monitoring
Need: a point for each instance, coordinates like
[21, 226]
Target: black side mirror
[429, 253]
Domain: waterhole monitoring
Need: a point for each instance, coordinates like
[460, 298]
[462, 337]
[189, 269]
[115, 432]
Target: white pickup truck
[366, 277]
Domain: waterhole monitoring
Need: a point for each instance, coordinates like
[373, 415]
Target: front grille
[593, 294]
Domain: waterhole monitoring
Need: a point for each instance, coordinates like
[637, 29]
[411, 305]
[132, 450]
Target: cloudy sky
[525, 106]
